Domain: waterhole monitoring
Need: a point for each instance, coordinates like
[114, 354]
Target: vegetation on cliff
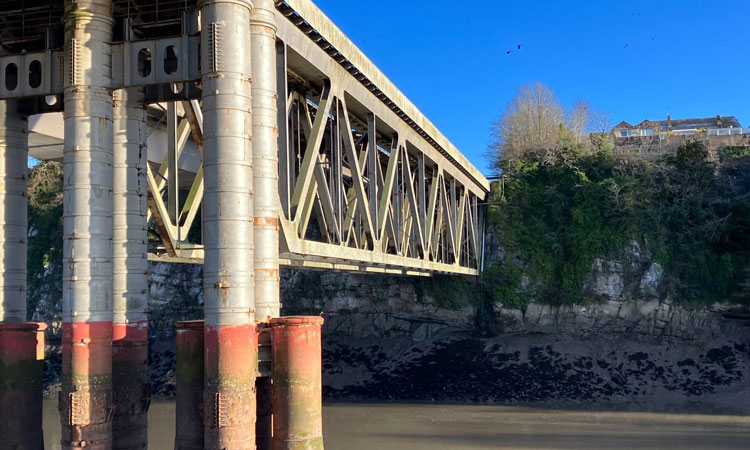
[554, 211]
[44, 263]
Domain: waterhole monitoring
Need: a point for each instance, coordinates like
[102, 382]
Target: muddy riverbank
[368, 426]
[461, 367]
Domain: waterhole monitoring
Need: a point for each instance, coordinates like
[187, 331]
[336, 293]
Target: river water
[463, 427]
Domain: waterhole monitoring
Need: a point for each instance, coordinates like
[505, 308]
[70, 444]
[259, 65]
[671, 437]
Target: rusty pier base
[222, 392]
[189, 404]
[85, 403]
[231, 368]
[131, 391]
[297, 390]
[21, 385]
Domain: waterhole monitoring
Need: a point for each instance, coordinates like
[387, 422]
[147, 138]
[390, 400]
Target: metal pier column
[265, 160]
[20, 365]
[231, 350]
[266, 186]
[14, 152]
[131, 391]
[85, 401]
[297, 384]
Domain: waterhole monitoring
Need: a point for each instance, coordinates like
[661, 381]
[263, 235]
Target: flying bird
[519, 46]
[509, 52]
[653, 38]
[627, 45]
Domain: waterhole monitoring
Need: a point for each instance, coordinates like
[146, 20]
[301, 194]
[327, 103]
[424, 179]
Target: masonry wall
[652, 147]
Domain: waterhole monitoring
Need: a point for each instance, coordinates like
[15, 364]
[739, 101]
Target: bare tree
[532, 120]
[579, 119]
[601, 121]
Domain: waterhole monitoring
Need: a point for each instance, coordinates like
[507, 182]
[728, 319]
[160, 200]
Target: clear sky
[683, 58]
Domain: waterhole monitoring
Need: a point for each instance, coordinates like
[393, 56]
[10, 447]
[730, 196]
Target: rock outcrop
[397, 338]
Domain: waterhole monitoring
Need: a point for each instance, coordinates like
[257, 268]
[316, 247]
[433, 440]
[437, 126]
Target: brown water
[464, 427]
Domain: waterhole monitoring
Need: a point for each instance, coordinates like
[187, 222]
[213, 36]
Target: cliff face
[398, 338]
[624, 297]
[395, 338]
[388, 339]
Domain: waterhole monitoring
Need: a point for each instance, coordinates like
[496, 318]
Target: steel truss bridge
[240, 134]
[366, 182]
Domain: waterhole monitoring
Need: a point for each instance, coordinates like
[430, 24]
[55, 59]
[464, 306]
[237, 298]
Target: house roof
[647, 124]
[707, 123]
[623, 126]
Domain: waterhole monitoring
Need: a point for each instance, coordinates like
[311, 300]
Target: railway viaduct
[250, 134]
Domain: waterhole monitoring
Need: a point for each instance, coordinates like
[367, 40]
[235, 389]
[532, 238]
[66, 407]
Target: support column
[265, 160]
[20, 364]
[85, 401]
[231, 350]
[266, 186]
[14, 152]
[297, 385]
[131, 391]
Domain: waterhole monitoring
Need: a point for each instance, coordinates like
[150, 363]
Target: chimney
[669, 123]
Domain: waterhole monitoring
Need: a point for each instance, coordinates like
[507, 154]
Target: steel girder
[366, 182]
[363, 184]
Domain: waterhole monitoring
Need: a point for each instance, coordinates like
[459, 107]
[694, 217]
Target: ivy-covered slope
[554, 213]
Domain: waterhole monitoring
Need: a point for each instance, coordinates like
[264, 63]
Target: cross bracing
[366, 182]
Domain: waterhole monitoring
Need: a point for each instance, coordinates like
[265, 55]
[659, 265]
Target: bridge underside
[366, 182]
[249, 135]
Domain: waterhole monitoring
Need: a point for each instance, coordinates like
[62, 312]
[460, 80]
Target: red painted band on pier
[131, 391]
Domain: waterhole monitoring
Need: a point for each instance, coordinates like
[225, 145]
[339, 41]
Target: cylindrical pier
[20, 356]
[14, 152]
[85, 401]
[131, 391]
[231, 361]
[21, 385]
[297, 394]
[189, 402]
[231, 351]
[266, 190]
[265, 160]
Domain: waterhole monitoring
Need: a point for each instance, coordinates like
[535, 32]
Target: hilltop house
[713, 126]
[650, 139]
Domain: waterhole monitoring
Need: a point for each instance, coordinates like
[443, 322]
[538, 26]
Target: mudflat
[377, 426]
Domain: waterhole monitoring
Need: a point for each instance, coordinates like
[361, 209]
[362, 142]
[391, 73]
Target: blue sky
[684, 58]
